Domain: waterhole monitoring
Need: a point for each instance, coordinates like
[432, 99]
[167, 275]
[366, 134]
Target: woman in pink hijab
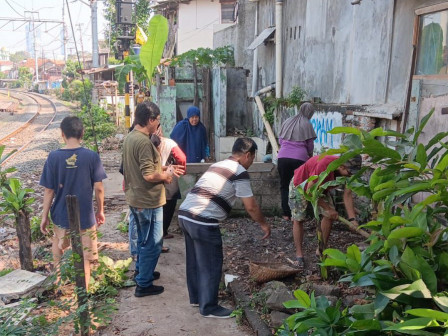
[296, 146]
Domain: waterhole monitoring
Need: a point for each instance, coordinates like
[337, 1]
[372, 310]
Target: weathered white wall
[342, 53]
[197, 22]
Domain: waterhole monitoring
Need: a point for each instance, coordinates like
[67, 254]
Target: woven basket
[267, 271]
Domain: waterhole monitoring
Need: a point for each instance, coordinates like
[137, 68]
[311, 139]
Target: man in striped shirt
[206, 205]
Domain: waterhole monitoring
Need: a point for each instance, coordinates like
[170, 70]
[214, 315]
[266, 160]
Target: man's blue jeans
[132, 235]
[149, 224]
[204, 264]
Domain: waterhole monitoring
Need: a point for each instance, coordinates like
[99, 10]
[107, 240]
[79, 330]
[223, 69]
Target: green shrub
[104, 126]
[406, 264]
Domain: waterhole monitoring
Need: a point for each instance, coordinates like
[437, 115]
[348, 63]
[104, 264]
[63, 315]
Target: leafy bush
[36, 234]
[206, 57]
[406, 264]
[271, 103]
[104, 127]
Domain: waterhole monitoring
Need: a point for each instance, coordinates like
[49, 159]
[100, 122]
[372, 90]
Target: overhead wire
[21, 15]
[89, 106]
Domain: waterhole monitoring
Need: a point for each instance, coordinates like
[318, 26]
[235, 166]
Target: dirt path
[169, 313]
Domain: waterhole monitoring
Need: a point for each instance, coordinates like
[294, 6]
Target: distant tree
[25, 78]
[2, 75]
[70, 71]
[19, 56]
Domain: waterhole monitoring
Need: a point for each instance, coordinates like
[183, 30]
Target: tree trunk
[24, 234]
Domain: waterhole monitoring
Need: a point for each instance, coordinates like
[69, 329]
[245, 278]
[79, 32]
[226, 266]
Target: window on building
[432, 52]
[228, 11]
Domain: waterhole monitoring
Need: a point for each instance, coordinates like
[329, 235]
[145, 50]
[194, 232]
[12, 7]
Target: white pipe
[278, 48]
[255, 60]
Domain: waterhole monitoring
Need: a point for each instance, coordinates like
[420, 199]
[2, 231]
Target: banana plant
[16, 201]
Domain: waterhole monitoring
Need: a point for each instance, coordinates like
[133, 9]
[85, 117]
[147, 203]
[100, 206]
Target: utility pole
[64, 32]
[95, 54]
[36, 63]
[82, 46]
[124, 19]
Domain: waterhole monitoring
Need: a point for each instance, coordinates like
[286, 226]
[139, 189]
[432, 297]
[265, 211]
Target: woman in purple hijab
[191, 136]
[296, 146]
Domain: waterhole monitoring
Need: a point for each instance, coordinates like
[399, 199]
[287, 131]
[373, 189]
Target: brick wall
[264, 180]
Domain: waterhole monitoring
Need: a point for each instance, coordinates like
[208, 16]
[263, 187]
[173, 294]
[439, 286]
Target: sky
[13, 35]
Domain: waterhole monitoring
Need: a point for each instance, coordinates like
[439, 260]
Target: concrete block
[197, 168]
[261, 167]
[277, 318]
[19, 284]
[276, 299]
[270, 202]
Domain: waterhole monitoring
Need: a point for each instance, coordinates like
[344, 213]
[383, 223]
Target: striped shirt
[215, 193]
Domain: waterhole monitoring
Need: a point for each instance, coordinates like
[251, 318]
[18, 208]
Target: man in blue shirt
[73, 170]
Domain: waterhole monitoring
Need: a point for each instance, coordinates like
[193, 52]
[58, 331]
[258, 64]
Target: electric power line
[13, 8]
[89, 107]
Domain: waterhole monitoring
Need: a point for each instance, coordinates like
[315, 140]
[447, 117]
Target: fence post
[24, 235]
[80, 280]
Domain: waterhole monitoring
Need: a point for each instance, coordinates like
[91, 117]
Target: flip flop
[165, 249]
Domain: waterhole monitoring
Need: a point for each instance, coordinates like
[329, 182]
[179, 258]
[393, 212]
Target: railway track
[20, 138]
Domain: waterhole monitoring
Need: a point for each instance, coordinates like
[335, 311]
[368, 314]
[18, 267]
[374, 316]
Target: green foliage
[123, 227]
[5, 172]
[71, 70]
[238, 314]
[25, 78]
[15, 198]
[271, 104]
[36, 234]
[318, 316]
[405, 265]
[100, 302]
[108, 276]
[206, 57]
[6, 271]
[114, 61]
[104, 127]
[151, 52]
[79, 91]
[131, 63]
[19, 56]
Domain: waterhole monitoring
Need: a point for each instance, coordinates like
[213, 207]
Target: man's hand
[168, 178]
[178, 170]
[266, 229]
[44, 225]
[100, 218]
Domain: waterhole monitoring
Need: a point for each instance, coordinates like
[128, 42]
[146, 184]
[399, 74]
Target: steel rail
[24, 146]
[26, 123]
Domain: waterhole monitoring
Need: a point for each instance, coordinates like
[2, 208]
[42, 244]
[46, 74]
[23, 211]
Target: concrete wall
[197, 21]
[237, 116]
[264, 180]
[342, 53]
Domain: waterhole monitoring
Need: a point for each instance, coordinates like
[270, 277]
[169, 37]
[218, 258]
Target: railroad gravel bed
[26, 110]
